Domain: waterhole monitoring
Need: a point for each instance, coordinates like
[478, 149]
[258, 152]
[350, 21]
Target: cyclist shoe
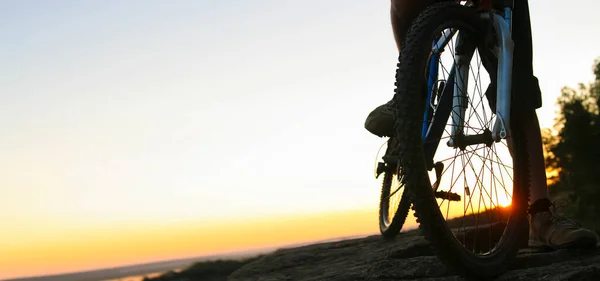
[380, 121]
[549, 229]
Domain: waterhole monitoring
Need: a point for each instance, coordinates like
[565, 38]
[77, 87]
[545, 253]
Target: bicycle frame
[452, 97]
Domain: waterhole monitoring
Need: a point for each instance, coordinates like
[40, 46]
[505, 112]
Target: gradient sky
[128, 124]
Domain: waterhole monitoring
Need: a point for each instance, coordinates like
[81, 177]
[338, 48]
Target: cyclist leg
[526, 88]
[402, 14]
[380, 121]
[547, 227]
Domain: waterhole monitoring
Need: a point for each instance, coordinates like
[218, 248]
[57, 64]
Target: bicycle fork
[460, 101]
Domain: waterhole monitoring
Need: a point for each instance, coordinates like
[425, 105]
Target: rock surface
[407, 257]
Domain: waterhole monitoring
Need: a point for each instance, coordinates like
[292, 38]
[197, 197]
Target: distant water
[137, 277]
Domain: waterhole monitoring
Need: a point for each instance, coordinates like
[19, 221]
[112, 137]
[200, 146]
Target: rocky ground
[408, 257]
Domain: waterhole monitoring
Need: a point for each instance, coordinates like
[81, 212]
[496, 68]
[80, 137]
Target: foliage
[573, 152]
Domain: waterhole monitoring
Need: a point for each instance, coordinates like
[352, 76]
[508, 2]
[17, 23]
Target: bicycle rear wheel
[473, 209]
[394, 203]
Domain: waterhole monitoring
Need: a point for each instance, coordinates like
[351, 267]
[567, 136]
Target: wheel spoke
[478, 171]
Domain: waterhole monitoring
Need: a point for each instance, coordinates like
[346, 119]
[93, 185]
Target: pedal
[450, 196]
[381, 167]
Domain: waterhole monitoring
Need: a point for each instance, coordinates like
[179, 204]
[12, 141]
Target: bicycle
[434, 106]
[394, 203]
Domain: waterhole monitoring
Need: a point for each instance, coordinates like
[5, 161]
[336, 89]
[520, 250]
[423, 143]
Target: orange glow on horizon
[94, 249]
[551, 175]
[41, 250]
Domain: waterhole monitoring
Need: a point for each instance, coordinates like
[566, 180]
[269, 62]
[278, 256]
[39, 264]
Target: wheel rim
[392, 189]
[391, 199]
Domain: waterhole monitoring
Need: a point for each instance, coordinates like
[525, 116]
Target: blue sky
[142, 111]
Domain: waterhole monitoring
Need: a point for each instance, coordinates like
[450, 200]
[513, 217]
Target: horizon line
[174, 263]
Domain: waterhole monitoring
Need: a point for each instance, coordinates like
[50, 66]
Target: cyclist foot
[548, 229]
[380, 121]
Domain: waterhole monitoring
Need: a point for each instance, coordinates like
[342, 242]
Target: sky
[137, 131]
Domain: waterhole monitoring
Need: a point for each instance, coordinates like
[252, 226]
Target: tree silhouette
[573, 151]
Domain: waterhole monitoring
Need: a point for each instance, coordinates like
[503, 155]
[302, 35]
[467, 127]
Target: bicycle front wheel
[470, 193]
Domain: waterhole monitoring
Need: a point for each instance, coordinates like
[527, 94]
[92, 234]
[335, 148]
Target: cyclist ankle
[539, 206]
